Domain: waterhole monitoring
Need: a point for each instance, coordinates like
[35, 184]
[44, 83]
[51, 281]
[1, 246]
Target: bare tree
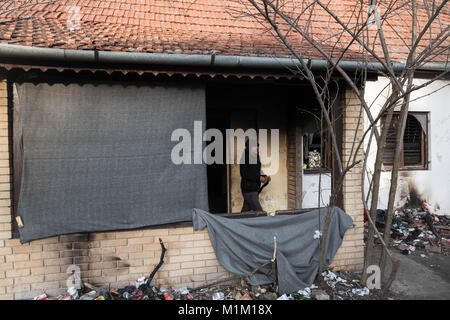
[359, 31]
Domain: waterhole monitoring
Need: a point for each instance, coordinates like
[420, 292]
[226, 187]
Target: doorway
[218, 174]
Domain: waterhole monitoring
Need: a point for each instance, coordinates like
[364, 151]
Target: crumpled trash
[141, 281]
[332, 279]
[343, 284]
[361, 292]
[415, 233]
[246, 296]
[229, 296]
[128, 289]
[73, 292]
[419, 228]
[221, 292]
[41, 297]
[182, 290]
[381, 219]
[429, 208]
[91, 295]
[305, 292]
[419, 245]
[317, 234]
[298, 296]
[218, 296]
[285, 297]
[137, 295]
[167, 296]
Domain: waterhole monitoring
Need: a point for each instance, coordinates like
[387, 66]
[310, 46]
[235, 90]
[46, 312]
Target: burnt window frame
[325, 154]
[326, 159]
[425, 161]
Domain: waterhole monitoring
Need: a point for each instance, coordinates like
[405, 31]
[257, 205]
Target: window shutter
[412, 142]
[414, 138]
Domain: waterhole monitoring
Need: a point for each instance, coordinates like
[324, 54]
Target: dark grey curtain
[242, 245]
[98, 158]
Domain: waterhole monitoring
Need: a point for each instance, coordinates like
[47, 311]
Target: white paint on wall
[311, 189]
[431, 185]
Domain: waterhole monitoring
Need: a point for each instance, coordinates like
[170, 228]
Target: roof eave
[10, 51]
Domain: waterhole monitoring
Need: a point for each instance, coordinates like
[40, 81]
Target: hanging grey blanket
[241, 245]
[98, 158]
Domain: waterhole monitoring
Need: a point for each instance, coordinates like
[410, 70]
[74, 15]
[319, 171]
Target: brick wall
[351, 254]
[119, 258]
[109, 258]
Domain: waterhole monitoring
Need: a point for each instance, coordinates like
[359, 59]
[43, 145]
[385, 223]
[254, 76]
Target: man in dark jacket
[251, 176]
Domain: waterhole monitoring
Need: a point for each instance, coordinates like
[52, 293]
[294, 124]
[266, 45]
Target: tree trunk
[394, 180]
[376, 186]
[398, 147]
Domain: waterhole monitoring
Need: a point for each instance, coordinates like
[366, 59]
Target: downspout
[117, 57]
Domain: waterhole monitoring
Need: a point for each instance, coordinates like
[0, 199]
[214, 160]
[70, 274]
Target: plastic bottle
[91, 295]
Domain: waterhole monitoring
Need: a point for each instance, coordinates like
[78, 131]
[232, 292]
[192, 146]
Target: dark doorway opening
[218, 173]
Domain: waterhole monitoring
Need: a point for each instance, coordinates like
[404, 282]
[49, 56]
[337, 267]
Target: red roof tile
[194, 27]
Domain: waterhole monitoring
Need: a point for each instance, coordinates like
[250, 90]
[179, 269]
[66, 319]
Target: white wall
[432, 185]
[310, 188]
